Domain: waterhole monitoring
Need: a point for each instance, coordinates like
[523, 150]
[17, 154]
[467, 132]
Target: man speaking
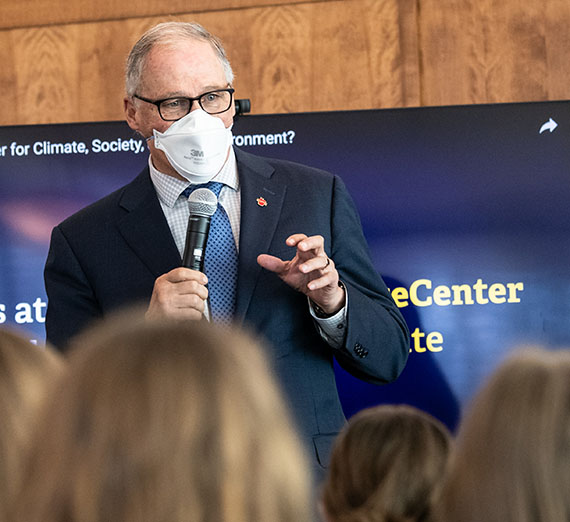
[285, 253]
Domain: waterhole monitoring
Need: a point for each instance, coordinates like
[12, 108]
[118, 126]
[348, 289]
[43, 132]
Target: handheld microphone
[202, 204]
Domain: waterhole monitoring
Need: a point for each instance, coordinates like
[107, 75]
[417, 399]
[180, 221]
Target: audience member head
[27, 372]
[386, 466]
[513, 452]
[166, 422]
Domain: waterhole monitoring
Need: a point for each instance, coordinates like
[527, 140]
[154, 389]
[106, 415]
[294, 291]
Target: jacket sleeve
[377, 340]
[71, 300]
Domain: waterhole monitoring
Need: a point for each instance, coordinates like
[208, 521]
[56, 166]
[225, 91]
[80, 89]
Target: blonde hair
[27, 373]
[166, 422]
[386, 465]
[513, 453]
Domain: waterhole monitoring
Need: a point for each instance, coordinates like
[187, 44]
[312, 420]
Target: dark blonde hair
[166, 422]
[27, 373]
[386, 466]
[513, 452]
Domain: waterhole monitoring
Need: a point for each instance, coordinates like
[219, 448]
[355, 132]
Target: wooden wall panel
[47, 73]
[15, 13]
[359, 58]
[300, 58]
[486, 51]
[293, 58]
[8, 75]
[102, 50]
[557, 36]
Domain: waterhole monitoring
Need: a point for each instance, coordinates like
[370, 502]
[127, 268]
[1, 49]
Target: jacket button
[360, 350]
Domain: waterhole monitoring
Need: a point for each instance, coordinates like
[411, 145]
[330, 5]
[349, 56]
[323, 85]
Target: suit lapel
[146, 231]
[145, 228]
[262, 198]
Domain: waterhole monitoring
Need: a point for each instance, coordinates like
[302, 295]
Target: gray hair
[169, 33]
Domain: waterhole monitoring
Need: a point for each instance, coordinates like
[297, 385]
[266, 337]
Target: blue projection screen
[465, 210]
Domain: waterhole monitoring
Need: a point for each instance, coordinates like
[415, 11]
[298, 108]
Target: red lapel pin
[261, 202]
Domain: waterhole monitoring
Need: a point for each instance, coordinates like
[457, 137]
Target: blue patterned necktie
[220, 260]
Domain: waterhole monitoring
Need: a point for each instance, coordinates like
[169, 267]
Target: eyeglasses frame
[191, 100]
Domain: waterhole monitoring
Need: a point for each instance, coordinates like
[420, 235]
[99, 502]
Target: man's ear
[130, 113]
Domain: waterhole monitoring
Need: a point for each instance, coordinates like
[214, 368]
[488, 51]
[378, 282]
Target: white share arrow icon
[550, 125]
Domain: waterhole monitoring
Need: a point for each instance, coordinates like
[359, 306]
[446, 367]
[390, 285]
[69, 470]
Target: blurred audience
[513, 452]
[386, 466]
[166, 422]
[27, 372]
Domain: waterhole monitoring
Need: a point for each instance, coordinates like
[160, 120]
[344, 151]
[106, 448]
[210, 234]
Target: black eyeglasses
[172, 109]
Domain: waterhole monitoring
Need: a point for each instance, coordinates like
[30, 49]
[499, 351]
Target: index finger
[182, 273]
[316, 243]
[294, 239]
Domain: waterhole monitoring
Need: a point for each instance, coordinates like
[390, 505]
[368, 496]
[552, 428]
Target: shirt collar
[169, 188]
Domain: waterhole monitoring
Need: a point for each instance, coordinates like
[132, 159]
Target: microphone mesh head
[202, 202]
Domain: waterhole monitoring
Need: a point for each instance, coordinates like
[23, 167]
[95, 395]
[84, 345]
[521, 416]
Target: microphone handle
[196, 239]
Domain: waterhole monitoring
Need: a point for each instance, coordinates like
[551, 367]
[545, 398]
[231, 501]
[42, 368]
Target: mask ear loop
[152, 137]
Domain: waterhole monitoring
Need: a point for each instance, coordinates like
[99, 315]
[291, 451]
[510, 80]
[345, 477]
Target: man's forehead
[182, 68]
[181, 45]
[183, 54]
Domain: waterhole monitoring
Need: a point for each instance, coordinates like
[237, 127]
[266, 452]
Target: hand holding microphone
[182, 292]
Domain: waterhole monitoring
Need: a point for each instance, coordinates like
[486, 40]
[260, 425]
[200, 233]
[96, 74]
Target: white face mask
[196, 146]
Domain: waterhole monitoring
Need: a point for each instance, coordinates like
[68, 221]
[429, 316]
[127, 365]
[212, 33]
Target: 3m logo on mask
[196, 146]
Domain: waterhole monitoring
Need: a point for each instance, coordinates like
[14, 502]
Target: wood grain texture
[557, 37]
[487, 51]
[47, 74]
[8, 75]
[16, 13]
[287, 58]
[292, 56]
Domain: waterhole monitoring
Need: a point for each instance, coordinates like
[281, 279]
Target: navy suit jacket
[109, 254]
